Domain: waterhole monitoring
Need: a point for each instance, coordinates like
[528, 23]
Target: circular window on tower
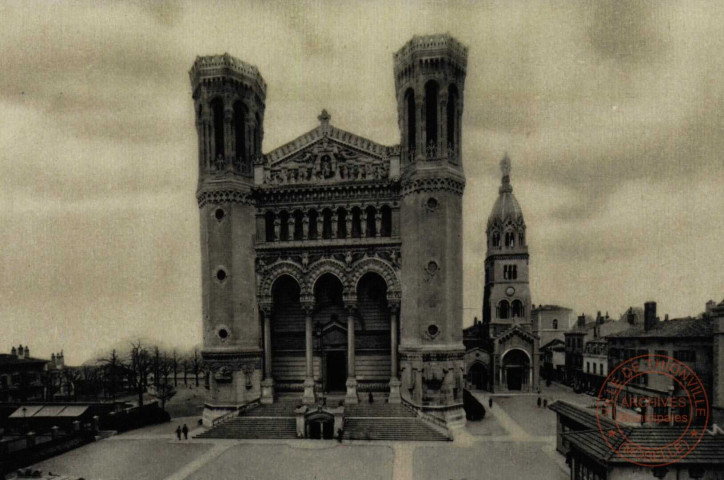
[433, 330]
[431, 204]
[432, 268]
[222, 331]
[219, 214]
[221, 274]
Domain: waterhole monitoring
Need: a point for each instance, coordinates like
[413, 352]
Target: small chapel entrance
[320, 426]
[516, 367]
[336, 371]
[478, 376]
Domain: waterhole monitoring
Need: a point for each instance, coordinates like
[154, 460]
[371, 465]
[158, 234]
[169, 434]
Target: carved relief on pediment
[326, 162]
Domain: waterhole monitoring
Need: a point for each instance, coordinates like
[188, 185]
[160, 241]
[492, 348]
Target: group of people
[184, 430]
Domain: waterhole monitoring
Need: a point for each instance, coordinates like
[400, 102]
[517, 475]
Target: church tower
[429, 80]
[507, 299]
[228, 97]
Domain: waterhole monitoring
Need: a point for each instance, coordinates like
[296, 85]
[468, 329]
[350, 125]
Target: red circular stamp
[652, 391]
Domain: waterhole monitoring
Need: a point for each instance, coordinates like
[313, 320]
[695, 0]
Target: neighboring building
[553, 355]
[591, 457]
[551, 322]
[21, 376]
[595, 364]
[477, 355]
[303, 288]
[573, 418]
[689, 340]
[575, 342]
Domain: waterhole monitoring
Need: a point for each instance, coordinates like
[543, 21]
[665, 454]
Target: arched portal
[478, 376]
[330, 329]
[516, 369]
[287, 331]
[372, 340]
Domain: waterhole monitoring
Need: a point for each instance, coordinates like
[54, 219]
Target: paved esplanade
[507, 444]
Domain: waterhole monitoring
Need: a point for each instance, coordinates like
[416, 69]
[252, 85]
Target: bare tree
[164, 391]
[174, 367]
[112, 365]
[141, 365]
[71, 379]
[185, 366]
[196, 365]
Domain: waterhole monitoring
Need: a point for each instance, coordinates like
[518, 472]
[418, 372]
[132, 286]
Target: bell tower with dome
[507, 299]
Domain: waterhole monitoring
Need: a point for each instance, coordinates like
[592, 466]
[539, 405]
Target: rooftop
[709, 451]
[679, 327]
[8, 359]
[584, 416]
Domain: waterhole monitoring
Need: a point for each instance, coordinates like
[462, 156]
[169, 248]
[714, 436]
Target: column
[305, 226]
[267, 385]
[378, 221]
[348, 220]
[394, 369]
[335, 224]
[277, 226]
[366, 222]
[351, 397]
[308, 397]
[320, 223]
[291, 222]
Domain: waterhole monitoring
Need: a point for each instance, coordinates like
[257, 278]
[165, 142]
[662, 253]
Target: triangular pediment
[515, 331]
[328, 155]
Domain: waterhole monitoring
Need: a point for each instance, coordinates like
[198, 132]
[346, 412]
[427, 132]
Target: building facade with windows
[333, 263]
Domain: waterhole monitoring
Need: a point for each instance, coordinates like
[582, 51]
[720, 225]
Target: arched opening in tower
[431, 94]
[452, 101]
[240, 133]
[411, 127]
[217, 110]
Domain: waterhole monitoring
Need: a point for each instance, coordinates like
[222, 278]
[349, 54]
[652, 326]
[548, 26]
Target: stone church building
[502, 353]
[334, 263]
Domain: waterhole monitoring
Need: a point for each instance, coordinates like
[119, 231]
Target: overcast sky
[612, 114]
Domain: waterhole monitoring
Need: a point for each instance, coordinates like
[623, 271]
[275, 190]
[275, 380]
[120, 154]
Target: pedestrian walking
[185, 430]
[490, 402]
[370, 398]
[178, 432]
[539, 401]
[545, 403]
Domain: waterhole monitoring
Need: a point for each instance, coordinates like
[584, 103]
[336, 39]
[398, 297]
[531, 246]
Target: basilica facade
[333, 263]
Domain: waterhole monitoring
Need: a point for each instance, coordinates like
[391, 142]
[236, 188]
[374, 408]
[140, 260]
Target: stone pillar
[277, 226]
[348, 220]
[378, 222]
[417, 392]
[290, 227]
[351, 397]
[305, 226]
[320, 223]
[394, 369]
[267, 385]
[308, 398]
[335, 224]
[366, 222]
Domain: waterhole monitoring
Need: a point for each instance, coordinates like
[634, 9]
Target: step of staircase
[398, 429]
[253, 428]
[372, 410]
[283, 408]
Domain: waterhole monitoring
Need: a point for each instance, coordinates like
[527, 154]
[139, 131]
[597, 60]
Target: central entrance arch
[516, 369]
[330, 330]
[478, 376]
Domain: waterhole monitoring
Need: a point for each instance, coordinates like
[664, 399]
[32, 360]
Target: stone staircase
[253, 428]
[378, 410]
[398, 429]
[364, 421]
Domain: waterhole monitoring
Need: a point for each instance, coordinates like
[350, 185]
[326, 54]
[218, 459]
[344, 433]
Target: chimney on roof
[14, 352]
[666, 317]
[27, 351]
[630, 316]
[21, 351]
[475, 321]
[650, 319]
[710, 306]
[581, 320]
